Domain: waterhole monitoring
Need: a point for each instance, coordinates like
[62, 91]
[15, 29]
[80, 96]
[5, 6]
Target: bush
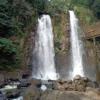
[7, 53]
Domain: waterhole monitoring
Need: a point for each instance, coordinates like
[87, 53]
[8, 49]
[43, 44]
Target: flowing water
[44, 66]
[76, 46]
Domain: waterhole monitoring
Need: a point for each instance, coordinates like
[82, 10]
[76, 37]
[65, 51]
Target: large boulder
[2, 96]
[80, 88]
[66, 86]
[23, 83]
[93, 93]
[85, 79]
[71, 87]
[63, 80]
[56, 85]
[35, 81]
[69, 81]
[66, 95]
[32, 93]
[12, 95]
[61, 88]
[80, 82]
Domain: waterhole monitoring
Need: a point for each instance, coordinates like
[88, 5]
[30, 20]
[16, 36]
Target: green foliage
[96, 8]
[40, 6]
[5, 17]
[93, 5]
[56, 7]
[79, 3]
[7, 53]
[22, 13]
[15, 17]
[6, 46]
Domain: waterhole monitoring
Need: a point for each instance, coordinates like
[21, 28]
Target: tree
[5, 17]
[96, 8]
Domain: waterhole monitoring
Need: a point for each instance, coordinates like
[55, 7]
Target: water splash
[44, 50]
[76, 46]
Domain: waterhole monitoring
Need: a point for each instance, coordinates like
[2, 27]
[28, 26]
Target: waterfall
[76, 46]
[44, 66]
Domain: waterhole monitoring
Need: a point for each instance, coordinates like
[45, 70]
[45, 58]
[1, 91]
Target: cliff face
[61, 42]
[92, 45]
[63, 54]
[60, 33]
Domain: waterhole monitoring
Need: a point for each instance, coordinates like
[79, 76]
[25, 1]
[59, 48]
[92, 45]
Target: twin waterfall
[76, 46]
[44, 65]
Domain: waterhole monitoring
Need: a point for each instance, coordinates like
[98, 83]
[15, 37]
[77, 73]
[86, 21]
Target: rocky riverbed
[79, 88]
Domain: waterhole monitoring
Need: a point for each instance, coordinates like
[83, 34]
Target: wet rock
[69, 81]
[2, 96]
[49, 95]
[80, 82]
[23, 83]
[61, 88]
[11, 95]
[65, 95]
[13, 76]
[66, 86]
[25, 76]
[35, 81]
[85, 79]
[2, 85]
[83, 83]
[77, 77]
[71, 87]
[80, 88]
[75, 82]
[47, 83]
[32, 93]
[13, 79]
[56, 85]
[58, 80]
[63, 80]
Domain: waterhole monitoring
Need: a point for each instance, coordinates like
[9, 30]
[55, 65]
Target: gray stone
[32, 93]
[69, 81]
[56, 85]
[65, 85]
[80, 88]
[85, 79]
[65, 95]
[63, 80]
[92, 84]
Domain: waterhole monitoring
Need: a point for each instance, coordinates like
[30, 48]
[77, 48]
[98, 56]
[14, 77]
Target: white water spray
[44, 50]
[76, 46]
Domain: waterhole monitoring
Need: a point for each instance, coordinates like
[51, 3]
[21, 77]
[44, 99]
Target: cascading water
[76, 46]
[44, 50]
